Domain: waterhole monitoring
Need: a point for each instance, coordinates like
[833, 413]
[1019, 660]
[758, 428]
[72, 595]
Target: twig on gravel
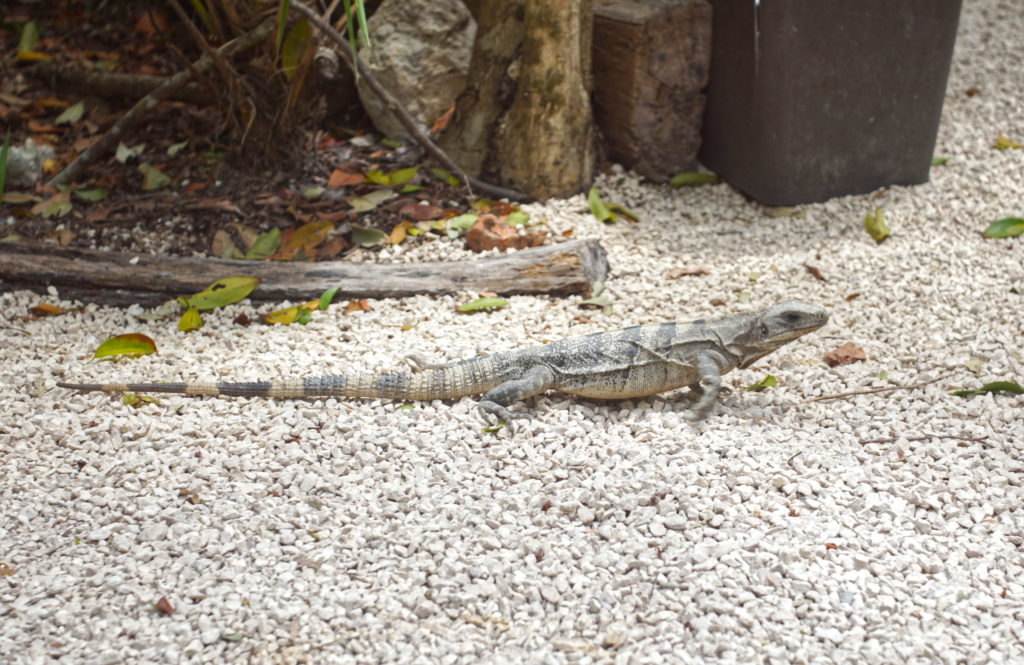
[925, 437]
[356, 64]
[869, 391]
[72, 171]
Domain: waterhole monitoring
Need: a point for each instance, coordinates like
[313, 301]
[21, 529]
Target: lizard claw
[489, 408]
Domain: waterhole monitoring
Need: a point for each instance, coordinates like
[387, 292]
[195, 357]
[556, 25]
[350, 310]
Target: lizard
[638, 361]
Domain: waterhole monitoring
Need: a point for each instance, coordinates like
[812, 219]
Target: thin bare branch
[393, 105]
[869, 391]
[109, 141]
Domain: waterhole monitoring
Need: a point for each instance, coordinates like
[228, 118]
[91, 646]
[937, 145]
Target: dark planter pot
[811, 99]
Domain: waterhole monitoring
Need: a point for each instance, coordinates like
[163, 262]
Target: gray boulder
[25, 164]
[420, 52]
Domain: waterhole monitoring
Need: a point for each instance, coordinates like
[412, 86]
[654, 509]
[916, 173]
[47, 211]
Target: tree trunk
[525, 120]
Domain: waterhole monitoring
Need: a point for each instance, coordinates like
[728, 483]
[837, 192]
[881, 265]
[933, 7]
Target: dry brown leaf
[816, 272]
[489, 232]
[442, 122]
[329, 249]
[45, 309]
[163, 606]
[845, 355]
[341, 178]
[420, 213]
[399, 233]
[361, 305]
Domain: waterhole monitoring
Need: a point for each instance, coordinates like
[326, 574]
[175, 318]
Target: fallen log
[114, 278]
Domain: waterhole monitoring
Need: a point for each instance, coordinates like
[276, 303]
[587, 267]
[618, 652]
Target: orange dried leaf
[341, 178]
[399, 233]
[844, 355]
[46, 309]
[360, 305]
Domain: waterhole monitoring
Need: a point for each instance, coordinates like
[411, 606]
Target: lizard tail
[467, 377]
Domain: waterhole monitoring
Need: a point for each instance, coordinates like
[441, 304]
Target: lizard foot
[489, 408]
[418, 363]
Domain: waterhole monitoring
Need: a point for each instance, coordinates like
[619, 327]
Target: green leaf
[446, 177]
[393, 178]
[1004, 228]
[130, 344]
[175, 148]
[58, 205]
[91, 195]
[458, 225]
[874, 224]
[294, 47]
[1003, 143]
[282, 18]
[693, 178]
[3, 162]
[29, 38]
[367, 237]
[481, 304]
[71, 114]
[124, 153]
[232, 637]
[598, 209]
[402, 176]
[224, 291]
[490, 429]
[190, 320]
[408, 189]
[601, 301]
[405, 407]
[768, 381]
[617, 209]
[940, 161]
[296, 313]
[152, 177]
[313, 193]
[376, 176]
[265, 245]
[517, 218]
[370, 200]
[327, 296]
[994, 387]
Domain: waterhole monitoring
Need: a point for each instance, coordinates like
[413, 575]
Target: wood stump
[650, 61]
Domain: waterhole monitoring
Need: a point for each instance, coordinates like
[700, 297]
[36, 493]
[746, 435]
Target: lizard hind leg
[496, 402]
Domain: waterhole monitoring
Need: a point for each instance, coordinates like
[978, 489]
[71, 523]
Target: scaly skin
[632, 362]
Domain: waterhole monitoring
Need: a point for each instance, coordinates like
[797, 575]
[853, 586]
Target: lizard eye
[764, 329]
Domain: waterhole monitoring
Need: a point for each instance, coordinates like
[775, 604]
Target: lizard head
[771, 328]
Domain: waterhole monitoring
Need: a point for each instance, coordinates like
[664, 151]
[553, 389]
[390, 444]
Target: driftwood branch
[109, 141]
[124, 279]
[355, 64]
[114, 84]
[869, 391]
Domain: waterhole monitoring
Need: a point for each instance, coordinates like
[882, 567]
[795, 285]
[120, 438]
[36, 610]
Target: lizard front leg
[709, 386]
[496, 402]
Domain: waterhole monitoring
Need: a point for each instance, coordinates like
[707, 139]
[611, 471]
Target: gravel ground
[877, 528]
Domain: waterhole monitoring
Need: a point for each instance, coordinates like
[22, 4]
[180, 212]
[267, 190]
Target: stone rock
[25, 164]
[420, 52]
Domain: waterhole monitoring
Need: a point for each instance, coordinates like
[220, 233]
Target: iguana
[632, 362]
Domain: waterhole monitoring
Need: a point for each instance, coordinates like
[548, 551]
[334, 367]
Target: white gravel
[879, 528]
